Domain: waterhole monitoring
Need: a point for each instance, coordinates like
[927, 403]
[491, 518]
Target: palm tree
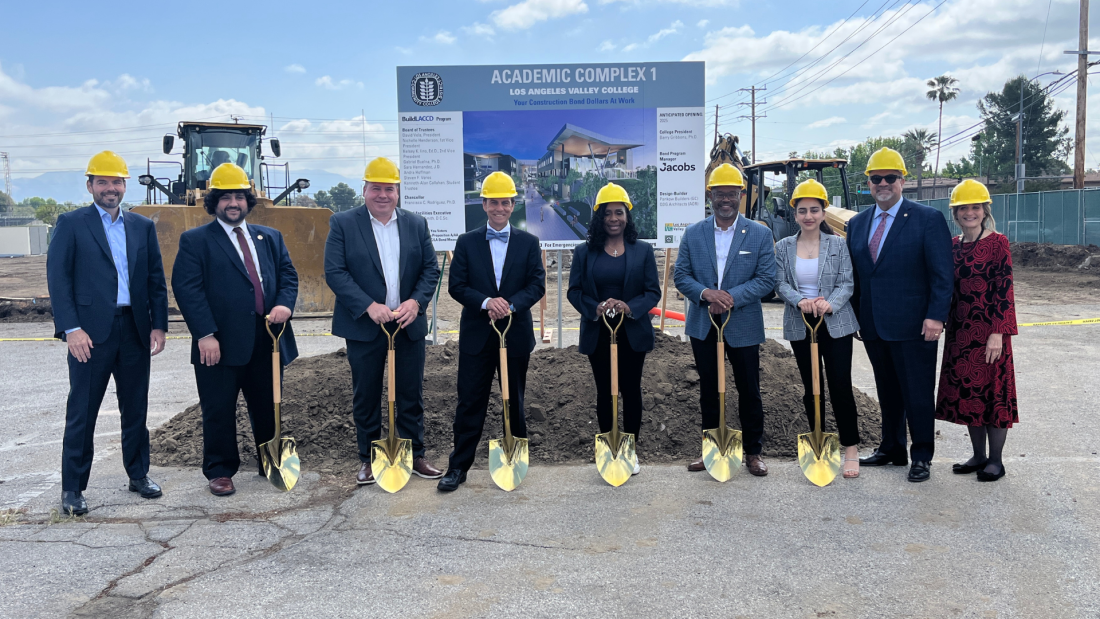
[942, 90]
[917, 144]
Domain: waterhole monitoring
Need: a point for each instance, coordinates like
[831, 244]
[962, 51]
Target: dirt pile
[26, 310]
[561, 418]
[1055, 257]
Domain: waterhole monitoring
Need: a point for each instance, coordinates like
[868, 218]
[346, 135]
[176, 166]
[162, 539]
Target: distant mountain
[70, 186]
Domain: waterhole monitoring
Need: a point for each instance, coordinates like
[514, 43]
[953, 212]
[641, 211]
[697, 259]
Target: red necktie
[253, 276]
[876, 240]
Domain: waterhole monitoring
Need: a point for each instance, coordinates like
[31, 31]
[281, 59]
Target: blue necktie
[500, 235]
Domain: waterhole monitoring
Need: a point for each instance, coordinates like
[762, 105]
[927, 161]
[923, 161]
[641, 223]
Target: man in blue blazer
[726, 263]
[901, 251]
[110, 304]
[496, 271]
[227, 277]
[380, 262]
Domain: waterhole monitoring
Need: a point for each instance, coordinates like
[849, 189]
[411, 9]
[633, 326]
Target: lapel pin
[260, 237]
[905, 215]
[743, 231]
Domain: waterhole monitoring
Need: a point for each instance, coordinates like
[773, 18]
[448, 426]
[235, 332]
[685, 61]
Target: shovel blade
[722, 458]
[391, 471]
[820, 468]
[615, 462]
[508, 470]
[280, 461]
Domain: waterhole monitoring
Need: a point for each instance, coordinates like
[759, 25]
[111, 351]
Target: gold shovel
[508, 457]
[818, 451]
[616, 456]
[279, 456]
[722, 447]
[391, 458]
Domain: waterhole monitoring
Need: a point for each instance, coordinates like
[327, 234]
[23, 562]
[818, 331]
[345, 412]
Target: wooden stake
[544, 333]
[664, 292]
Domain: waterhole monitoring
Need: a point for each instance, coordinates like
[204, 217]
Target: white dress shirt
[237, 246]
[499, 250]
[722, 241]
[388, 239]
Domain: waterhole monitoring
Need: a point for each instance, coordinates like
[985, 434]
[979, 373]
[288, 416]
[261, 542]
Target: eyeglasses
[889, 178]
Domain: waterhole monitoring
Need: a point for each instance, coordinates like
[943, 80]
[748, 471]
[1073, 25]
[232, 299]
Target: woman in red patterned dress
[977, 381]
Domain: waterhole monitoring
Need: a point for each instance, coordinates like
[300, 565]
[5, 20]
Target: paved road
[551, 227]
[667, 544]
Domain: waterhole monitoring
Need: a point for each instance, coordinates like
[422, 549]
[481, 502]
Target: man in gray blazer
[380, 262]
[726, 263]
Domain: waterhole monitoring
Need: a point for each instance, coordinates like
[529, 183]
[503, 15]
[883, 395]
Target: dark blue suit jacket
[353, 271]
[522, 283]
[641, 291]
[913, 278]
[83, 281]
[214, 294]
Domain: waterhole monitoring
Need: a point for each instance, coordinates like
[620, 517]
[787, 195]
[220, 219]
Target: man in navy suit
[380, 262]
[110, 304]
[496, 271]
[227, 277]
[901, 251]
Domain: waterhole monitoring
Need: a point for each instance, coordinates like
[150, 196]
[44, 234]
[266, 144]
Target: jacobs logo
[683, 167]
[427, 89]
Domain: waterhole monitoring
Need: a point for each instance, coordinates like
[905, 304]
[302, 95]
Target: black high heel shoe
[966, 469]
[983, 476]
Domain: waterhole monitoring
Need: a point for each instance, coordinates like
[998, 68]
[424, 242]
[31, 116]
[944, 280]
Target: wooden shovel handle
[721, 368]
[615, 369]
[816, 369]
[277, 388]
[391, 382]
[504, 373]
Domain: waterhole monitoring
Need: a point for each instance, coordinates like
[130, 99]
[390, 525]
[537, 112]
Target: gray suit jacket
[353, 270]
[749, 275]
[834, 281]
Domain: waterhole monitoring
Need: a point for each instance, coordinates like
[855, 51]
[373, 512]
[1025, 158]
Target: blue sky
[75, 79]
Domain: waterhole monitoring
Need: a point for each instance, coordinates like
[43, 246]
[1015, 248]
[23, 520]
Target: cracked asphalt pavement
[666, 544]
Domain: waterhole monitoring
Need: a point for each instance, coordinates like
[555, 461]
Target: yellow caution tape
[1058, 323]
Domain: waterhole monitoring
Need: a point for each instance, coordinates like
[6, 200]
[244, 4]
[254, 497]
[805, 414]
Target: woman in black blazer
[614, 271]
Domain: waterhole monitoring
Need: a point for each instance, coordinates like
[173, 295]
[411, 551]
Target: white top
[499, 250]
[805, 270]
[388, 239]
[237, 246]
[722, 241]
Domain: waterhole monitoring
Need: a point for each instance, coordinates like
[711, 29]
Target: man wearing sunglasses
[901, 251]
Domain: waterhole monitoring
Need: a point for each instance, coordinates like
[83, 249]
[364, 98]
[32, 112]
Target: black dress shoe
[73, 503]
[983, 476]
[962, 468]
[920, 471]
[451, 480]
[147, 488]
[881, 459]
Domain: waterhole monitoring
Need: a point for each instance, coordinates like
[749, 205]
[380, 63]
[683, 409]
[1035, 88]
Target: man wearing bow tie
[496, 271]
[227, 277]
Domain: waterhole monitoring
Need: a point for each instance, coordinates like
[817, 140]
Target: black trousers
[746, 377]
[630, 383]
[475, 381]
[126, 357]
[368, 364]
[905, 374]
[837, 355]
[219, 386]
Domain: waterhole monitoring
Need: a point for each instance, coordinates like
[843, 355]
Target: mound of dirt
[561, 417]
[37, 309]
[1054, 257]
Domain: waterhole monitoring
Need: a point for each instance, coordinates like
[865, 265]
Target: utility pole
[715, 123]
[1082, 52]
[752, 114]
[7, 177]
[1019, 139]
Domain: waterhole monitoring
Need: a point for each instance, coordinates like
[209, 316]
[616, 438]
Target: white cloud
[444, 37]
[631, 47]
[826, 122]
[702, 23]
[294, 68]
[479, 30]
[126, 82]
[530, 12]
[712, 3]
[328, 83]
[606, 46]
[403, 50]
[673, 28]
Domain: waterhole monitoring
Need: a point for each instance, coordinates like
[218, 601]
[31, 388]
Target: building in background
[583, 150]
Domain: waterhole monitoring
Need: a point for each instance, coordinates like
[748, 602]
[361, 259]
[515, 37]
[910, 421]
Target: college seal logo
[427, 89]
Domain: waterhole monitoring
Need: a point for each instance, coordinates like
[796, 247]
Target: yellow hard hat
[726, 175]
[108, 163]
[498, 185]
[612, 193]
[382, 170]
[886, 159]
[810, 188]
[969, 191]
[229, 176]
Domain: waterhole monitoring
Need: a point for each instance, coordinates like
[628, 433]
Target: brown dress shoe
[697, 466]
[756, 465]
[365, 475]
[222, 486]
[423, 468]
